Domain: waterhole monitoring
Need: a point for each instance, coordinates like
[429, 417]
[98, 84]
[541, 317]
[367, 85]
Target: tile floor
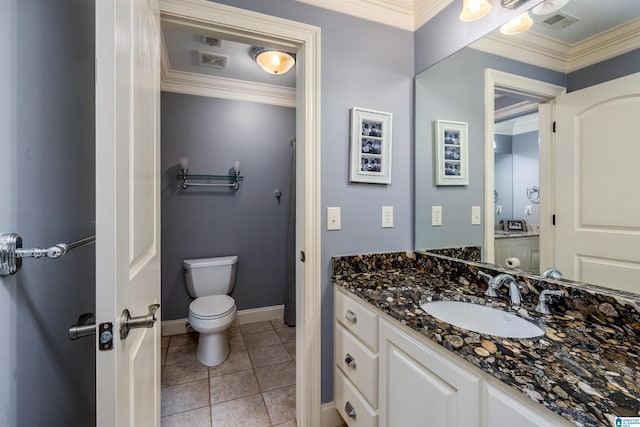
[254, 387]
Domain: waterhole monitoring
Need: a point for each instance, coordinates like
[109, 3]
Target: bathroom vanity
[524, 245]
[398, 366]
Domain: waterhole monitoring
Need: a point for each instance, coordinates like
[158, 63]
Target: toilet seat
[212, 307]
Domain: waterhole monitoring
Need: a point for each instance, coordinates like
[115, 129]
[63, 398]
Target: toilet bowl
[212, 311]
[211, 316]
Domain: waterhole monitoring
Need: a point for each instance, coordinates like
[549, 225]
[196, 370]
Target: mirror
[454, 90]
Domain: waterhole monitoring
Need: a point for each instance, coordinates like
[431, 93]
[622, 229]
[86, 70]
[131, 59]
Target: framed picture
[370, 146]
[451, 166]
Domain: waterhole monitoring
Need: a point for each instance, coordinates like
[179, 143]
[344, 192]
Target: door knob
[127, 322]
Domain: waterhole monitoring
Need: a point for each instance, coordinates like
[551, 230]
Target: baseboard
[252, 315]
[329, 416]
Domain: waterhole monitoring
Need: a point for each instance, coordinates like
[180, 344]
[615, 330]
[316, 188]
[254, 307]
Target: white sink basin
[482, 319]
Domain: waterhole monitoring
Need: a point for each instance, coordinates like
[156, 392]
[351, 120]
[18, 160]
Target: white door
[598, 175]
[127, 208]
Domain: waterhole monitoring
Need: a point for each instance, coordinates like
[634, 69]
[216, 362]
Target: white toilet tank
[210, 276]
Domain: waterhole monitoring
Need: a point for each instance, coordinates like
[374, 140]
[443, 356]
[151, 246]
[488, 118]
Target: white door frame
[542, 90]
[241, 24]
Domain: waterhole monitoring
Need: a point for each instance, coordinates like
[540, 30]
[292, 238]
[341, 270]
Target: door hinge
[554, 127]
[553, 219]
[303, 257]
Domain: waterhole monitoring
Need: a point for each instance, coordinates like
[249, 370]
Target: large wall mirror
[505, 89]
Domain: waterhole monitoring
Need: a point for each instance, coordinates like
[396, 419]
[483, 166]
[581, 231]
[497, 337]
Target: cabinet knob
[350, 361]
[350, 410]
[351, 316]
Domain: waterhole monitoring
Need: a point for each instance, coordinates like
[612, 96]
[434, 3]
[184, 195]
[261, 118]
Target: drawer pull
[351, 316]
[350, 361]
[350, 410]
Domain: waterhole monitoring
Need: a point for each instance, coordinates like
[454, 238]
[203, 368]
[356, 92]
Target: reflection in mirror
[454, 90]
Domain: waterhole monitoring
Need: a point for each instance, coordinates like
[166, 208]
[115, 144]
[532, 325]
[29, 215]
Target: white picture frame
[371, 146]
[451, 165]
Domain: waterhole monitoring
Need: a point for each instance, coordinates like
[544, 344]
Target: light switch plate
[436, 215]
[475, 215]
[387, 216]
[333, 218]
[527, 209]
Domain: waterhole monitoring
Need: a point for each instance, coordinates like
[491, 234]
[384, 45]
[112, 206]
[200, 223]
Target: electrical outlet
[436, 215]
[475, 215]
[498, 209]
[333, 218]
[387, 216]
[527, 209]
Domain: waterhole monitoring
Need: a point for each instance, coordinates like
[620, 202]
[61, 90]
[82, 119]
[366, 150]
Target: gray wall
[604, 71]
[353, 74]
[526, 173]
[454, 90]
[503, 176]
[48, 81]
[250, 223]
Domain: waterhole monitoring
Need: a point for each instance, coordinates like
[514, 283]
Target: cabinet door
[419, 386]
[513, 247]
[505, 409]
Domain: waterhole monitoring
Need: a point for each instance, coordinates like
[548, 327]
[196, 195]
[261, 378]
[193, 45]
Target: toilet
[209, 280]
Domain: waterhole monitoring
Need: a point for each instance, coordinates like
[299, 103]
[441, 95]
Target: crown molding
[548, 53]
[404, 14]
[424, 10]
[517, 126]
[219, 87]
[515, 109]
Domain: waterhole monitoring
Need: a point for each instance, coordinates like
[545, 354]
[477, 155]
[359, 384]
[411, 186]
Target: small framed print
[451, 166]
[370, 146]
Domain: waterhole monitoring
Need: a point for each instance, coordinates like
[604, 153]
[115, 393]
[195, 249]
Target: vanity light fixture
[273, 61]
[517, 25]
[474, 9]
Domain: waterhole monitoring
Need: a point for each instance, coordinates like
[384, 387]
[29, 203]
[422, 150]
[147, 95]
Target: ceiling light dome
[517, 25]
[474, 9]
[549, 6]
[273, 61]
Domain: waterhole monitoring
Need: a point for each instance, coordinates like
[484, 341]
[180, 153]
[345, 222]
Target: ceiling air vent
[213, 60]
[560, 20]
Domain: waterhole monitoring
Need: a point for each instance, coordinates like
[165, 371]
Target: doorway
[267, 30]
[536, 91]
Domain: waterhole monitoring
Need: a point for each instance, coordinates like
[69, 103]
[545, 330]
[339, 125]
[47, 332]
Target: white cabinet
[356, 360]
[420, 386]
[526, 249]
[508, 408]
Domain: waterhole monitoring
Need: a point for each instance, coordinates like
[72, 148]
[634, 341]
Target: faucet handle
[487, 277]
[491, 290]
[544, 297]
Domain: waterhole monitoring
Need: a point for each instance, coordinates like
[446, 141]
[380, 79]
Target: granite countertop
[585, 368]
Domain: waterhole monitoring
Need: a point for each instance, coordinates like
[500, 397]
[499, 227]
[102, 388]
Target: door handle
[127, 322]
[85, 327]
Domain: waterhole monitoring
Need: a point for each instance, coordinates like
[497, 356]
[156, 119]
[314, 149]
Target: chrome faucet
[497, 281]
[544, 297]
[552, 273]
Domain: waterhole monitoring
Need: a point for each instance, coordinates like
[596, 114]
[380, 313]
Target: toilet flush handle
[145, 321]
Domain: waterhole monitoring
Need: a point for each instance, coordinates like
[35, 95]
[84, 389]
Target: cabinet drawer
[347, 398]
[355, 317]
[358, 363]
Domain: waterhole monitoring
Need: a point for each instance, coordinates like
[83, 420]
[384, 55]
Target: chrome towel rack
[11, 252]
[187, 178]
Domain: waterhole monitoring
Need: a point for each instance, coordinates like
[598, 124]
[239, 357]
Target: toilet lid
[212, 306]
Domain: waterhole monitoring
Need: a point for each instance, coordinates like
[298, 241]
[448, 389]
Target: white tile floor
[255, 386]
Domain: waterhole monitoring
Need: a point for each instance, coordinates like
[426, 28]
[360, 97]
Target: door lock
[127, 322]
